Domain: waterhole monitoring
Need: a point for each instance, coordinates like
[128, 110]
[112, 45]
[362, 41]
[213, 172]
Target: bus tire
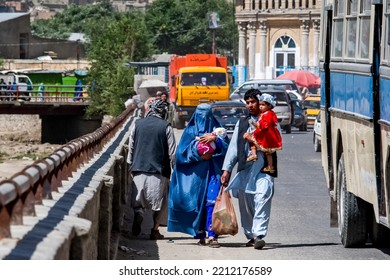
[317, 145]
[178, 122]
[351, 212]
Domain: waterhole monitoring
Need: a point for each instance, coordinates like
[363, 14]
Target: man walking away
[152, 149]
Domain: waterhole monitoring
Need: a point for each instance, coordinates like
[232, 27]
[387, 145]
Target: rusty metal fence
[20, 193]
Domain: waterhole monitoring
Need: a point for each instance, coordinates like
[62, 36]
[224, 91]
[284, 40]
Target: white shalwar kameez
[253, 189]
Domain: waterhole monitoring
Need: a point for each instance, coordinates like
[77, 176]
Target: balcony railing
[263, 5]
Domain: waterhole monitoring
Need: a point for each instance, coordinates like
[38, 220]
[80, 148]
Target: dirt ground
[20, 143]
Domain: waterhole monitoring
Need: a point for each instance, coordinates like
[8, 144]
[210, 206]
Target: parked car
[264, 84]
[300, 116]
[295, 95]
[284, 109]
[317, 134]
[228, 113]
[312, 105]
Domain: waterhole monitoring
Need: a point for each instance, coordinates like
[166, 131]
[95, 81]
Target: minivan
[273, 86]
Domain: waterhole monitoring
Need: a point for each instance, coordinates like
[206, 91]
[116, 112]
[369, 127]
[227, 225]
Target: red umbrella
[302, 78]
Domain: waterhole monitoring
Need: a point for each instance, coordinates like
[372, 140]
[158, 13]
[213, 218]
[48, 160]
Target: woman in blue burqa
[195, 180]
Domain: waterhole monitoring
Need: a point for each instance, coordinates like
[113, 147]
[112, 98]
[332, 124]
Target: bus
[355, 118]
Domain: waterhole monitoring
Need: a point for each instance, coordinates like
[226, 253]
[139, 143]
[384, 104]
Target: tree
[173, 26]
[73, 19]
[114, 39]
[113, 44]
[181, 26]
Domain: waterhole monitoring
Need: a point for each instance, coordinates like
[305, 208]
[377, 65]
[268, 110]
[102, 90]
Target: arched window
[284, 54]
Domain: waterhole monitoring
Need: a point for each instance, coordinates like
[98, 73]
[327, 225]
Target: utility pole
[78, 52]
[213, 48]
[234, 32]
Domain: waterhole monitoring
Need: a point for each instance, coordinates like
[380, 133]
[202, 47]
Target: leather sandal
[213, 243]
[268, 170]
[251, 157]
[250, 243]
[201, 242]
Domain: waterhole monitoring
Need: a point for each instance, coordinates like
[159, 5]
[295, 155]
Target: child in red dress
[266, 135]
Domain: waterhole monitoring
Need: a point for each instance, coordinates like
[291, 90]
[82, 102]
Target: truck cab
[196, 79]
[196, 85]
[23, 84]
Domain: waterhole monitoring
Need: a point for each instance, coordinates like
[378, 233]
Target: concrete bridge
[70, 205]
[62, 117]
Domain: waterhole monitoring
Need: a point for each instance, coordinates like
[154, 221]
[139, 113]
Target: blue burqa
[191, 175]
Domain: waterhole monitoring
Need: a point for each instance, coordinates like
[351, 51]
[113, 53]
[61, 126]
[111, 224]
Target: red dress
[267, 134]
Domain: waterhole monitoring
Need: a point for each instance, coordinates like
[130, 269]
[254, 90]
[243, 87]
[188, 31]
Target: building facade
[128, 5]
[276, 36]
[17, 42]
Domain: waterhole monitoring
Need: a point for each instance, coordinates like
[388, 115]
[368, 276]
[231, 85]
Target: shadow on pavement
[136, 247]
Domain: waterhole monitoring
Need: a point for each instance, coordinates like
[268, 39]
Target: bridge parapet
[52, 94]
[70, 204]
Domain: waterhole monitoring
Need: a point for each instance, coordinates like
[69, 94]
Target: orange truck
[195, 79]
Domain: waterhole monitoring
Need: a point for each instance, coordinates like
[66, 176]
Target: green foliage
[173, 26]
[73, 19]
[114, 44]
[181, 26]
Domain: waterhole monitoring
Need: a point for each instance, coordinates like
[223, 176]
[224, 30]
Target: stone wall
[56, 64]
[83, 218]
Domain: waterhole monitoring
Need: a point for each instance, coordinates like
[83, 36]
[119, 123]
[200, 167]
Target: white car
[296, 94]
[317, 134]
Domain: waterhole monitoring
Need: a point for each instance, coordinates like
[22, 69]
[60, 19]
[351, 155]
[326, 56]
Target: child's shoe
[268, 170]
[252, 158]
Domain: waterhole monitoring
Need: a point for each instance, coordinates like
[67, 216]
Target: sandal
[213, 243]
[156, 235]
[201, 242]
[250, 243]
[251, 157]
[268, 170]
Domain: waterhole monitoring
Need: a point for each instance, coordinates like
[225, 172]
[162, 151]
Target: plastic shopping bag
[224, 220]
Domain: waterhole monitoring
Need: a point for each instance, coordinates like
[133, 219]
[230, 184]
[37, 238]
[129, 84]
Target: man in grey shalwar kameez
[152, 149]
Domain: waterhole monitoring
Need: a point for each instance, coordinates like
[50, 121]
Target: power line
[33, 44]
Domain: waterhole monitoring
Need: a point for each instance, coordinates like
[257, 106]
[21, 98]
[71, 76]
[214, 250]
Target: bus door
[382, 102]
[325, 95]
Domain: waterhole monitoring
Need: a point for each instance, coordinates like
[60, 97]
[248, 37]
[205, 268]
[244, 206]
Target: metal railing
[21, 192]
[52, 93]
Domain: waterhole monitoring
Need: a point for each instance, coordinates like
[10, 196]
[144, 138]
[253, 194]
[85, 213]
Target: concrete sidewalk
[176, 245]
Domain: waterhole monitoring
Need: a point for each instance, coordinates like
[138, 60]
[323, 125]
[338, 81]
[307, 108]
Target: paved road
[299, 226]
